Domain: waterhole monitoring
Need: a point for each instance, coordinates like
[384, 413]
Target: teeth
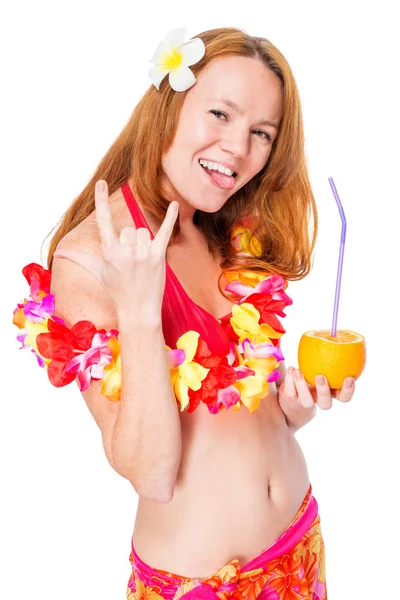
[215, 167]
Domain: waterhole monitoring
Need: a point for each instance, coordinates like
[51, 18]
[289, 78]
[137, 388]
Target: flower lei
[221, 382]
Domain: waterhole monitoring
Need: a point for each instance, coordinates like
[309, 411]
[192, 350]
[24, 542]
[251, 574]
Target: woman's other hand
[298, 399]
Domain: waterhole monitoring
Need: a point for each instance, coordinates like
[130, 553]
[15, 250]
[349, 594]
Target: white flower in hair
[173, 56]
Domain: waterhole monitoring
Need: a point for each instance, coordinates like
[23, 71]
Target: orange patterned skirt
[292, 568]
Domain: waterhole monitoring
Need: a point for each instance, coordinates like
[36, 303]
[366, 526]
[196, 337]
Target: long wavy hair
[280, 194]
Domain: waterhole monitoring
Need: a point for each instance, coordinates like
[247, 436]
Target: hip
[295, 559]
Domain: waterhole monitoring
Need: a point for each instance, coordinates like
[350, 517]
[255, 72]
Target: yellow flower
[187, 374]
[254, 388]
[32, 330]
[245, 324]
[243, 244]
[111, 386]
[252, 278]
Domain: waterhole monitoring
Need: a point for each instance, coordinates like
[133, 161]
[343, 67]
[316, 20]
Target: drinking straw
[341, 253]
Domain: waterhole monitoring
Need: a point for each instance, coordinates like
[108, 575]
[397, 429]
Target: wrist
[295, 414]
[133, 319]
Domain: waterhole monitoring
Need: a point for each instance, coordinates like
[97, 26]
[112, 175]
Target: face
[211, 130]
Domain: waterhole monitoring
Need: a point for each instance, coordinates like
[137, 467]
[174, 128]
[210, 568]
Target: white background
[73, 73]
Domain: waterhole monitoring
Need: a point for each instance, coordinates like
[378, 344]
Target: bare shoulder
[78, 294]
[86, 234]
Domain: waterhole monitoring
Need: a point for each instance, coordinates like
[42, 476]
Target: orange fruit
[335, 357]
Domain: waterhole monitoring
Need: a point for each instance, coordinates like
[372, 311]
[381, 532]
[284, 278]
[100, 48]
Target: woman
[205, 430]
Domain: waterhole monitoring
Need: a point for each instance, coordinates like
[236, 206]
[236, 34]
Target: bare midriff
[242, 479]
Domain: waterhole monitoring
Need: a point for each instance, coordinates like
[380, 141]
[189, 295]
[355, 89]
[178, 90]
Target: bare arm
[146, 440]
[141, 433]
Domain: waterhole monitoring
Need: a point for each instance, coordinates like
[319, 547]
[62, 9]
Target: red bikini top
[224, 363]
[179, 312]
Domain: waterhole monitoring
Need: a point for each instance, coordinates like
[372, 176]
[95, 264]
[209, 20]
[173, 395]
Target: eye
[267, 135]
[219, 112]
[215, 112]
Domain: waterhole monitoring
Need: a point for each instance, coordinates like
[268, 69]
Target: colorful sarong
[292, 568]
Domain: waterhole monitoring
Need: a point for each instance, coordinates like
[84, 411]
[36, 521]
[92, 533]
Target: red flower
[220, 375]
[37, 277]
[62, 344]
[268, 309]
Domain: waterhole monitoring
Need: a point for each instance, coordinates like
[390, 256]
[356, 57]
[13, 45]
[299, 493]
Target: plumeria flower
[173, 56]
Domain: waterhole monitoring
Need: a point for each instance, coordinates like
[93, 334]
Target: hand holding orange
[335, 357]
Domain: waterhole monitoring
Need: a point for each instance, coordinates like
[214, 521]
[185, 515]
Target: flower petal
[246, 317]
[182, 393]
[193, 374]
[228, 396]
[188, 342]
[239, 289]
[157, 74]
[272, 377]
[181, 78]
[268, 332]
[273, 283]
[174, 39]
[175, 358]
[192, 51]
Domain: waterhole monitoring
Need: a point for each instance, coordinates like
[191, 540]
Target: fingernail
[349, 382]
[297, 374]
[101, 185]
[320, 379]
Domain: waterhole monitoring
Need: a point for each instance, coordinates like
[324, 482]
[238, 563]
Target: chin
[206, 205]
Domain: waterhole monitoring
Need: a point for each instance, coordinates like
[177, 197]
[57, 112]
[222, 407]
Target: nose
[236, 143]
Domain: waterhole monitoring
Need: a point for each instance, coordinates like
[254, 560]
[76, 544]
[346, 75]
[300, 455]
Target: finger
[347, 391]
[289, 386]
[108, 235]
[127, 236]
[143, 237]
[324, 396]
[91, 263]
[303, 390]
[163, 235]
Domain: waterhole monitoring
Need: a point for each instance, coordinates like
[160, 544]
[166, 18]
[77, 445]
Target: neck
[188, 230]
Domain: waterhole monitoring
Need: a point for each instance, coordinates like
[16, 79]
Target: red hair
[280, 194]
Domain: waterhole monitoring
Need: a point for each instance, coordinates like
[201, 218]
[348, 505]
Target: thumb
[89, 262]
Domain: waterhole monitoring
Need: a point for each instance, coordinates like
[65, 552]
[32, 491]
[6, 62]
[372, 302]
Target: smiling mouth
[234, 174]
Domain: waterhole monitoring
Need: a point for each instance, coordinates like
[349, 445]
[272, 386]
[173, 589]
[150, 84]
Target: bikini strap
[137, 215]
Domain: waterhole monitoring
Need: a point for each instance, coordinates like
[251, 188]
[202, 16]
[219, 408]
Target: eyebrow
[235, 107]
